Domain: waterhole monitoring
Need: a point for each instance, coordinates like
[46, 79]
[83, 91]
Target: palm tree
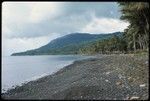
[136, 13]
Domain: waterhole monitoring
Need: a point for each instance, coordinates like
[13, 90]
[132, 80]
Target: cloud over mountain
[30, 20]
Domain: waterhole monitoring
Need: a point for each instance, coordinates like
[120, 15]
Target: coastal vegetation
[111, 45]
[134, 39]
[137, 33]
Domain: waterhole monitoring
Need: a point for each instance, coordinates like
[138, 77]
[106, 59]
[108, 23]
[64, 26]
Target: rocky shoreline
[105, 77]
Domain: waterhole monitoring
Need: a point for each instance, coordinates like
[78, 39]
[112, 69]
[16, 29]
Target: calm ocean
[20, 69]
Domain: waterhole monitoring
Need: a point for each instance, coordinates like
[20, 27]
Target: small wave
[36, 77]
[6, 87]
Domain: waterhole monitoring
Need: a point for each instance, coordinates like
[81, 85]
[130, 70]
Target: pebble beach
[104, 77]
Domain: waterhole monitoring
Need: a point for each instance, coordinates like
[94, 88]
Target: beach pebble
[106, 80]
[114, 98]
[127, 98]
[134, 98]
[131, 79]
[120, 76]
[118, 83]
[146, 62]
[123, 85]
[107, 73]
[142, 85]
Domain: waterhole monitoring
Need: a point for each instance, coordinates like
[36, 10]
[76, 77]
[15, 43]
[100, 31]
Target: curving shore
[105, 77]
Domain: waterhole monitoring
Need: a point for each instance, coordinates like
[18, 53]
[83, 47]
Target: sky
[29, 25]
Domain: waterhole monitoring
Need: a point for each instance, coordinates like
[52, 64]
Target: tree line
[114, 44]
[137, 33]
[135, 37]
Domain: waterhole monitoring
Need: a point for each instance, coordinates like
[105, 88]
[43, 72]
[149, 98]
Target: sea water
[20, 69]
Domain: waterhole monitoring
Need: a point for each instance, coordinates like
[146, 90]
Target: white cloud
[44, 10]
[21, 12]
[10, 46]
[15, 12]
[17, 16]
[105, 25]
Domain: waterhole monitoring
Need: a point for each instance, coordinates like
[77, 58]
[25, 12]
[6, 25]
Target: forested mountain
[69, 44]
